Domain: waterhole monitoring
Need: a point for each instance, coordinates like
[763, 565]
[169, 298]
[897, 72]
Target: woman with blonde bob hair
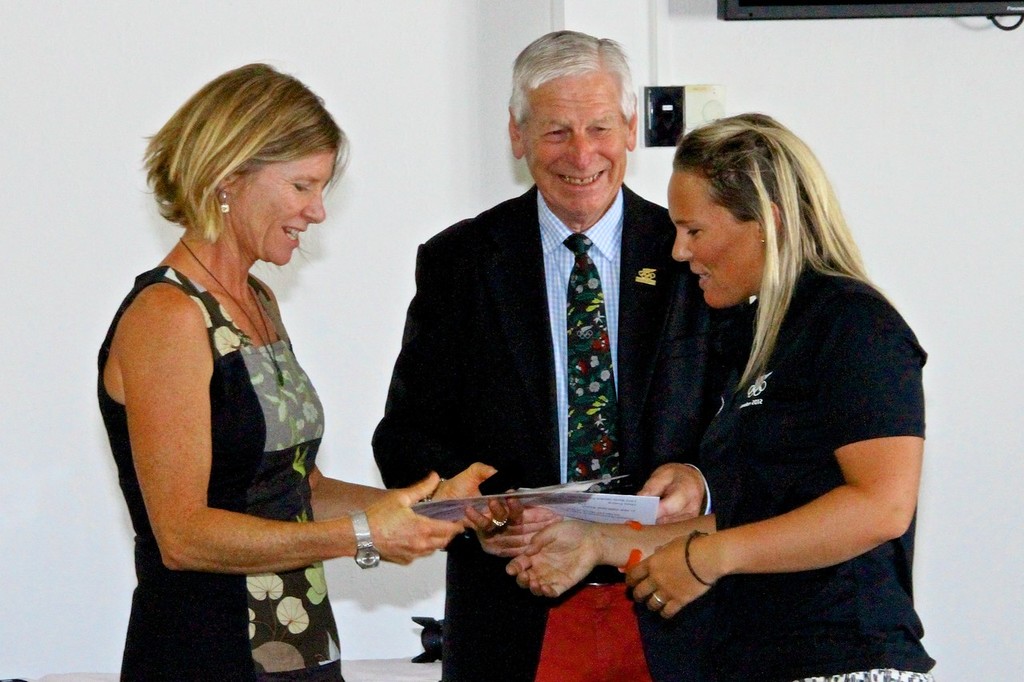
[213, 424]
[814, 459]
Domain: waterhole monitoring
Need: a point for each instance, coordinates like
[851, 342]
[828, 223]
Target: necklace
[266, 330]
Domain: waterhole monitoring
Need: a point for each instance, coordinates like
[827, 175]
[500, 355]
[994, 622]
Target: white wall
[915, 119]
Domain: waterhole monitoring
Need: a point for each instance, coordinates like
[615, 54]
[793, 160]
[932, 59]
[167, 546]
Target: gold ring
[658, 600]
[499, 524]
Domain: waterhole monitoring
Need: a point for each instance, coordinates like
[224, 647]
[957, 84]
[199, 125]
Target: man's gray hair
[568, 53]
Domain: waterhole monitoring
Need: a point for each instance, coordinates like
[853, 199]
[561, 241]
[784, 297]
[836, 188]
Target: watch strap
[367, 555]
[361, 527]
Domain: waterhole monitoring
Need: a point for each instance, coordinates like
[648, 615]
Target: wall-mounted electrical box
[670, 111]
[663, 117]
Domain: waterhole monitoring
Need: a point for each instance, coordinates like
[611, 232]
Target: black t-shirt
[846, 368]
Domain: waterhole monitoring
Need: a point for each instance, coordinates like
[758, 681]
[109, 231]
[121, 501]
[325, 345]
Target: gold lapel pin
[646, 276]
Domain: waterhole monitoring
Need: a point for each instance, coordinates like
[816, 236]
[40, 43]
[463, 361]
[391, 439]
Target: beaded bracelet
[686, 551]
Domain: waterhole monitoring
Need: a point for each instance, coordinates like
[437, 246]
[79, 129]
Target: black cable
[1007, 27]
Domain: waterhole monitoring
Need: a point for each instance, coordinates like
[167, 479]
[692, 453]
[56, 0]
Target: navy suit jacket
[474, 381]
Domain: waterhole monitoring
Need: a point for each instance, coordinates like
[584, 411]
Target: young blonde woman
[814, 459]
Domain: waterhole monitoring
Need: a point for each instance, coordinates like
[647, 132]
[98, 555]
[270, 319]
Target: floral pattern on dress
[290, 622]
[288, 614]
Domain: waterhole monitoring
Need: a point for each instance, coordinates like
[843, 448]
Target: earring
[224, 207]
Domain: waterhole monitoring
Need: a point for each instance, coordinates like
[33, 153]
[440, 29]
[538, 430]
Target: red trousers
[593, 637]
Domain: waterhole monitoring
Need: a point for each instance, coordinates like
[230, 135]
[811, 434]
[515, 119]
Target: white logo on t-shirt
[756, 389]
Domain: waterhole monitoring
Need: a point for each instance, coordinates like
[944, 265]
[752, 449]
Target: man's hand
[681, 489]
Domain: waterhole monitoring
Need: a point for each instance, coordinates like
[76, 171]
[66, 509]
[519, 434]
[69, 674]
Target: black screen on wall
[761, 9]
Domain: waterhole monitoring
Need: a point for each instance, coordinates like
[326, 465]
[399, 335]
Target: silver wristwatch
[367, 555]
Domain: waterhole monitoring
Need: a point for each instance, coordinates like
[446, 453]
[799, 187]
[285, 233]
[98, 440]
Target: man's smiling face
[575, 140]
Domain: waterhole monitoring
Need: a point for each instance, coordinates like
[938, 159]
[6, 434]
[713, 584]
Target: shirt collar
[606, 233]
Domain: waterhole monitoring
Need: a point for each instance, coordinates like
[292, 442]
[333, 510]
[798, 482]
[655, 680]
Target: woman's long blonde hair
[760, 171]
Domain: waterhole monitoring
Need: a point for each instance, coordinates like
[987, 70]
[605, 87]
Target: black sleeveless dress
[266, 429]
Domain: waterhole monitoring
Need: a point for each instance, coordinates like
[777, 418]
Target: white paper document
[569, 500]
[610, 508]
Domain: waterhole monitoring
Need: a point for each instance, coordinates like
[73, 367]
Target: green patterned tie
[593, 412]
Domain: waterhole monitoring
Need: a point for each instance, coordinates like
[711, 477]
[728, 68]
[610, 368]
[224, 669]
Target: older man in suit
[554, 338]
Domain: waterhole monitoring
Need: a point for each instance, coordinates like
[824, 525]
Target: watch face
[367, 557]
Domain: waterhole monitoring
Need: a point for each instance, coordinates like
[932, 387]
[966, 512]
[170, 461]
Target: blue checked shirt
[558, 262]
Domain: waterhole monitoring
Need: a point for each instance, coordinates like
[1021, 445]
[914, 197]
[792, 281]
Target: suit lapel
[515, 288]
